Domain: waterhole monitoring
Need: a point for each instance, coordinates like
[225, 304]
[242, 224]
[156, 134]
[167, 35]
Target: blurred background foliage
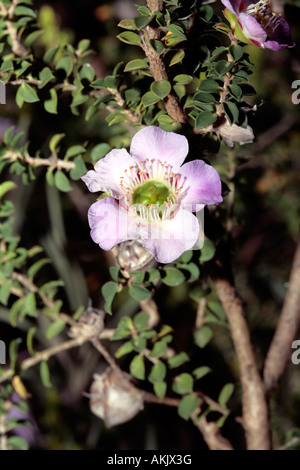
[264, 223]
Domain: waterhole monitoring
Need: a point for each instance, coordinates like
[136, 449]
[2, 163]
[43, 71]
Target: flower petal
[107, 173]
[251, 28]
[281, 37]
[201, 185]
[232, 5]
[110, 224]
[154, 143]
[170, 238]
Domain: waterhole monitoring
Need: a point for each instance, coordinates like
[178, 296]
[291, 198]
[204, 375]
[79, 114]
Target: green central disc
[152, 192]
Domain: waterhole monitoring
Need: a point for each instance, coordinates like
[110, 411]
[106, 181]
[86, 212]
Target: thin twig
[210, 432]
[287, 327]
[53, 350]
[255, 411]
[32, 161]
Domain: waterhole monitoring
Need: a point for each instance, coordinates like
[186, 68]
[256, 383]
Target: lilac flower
[260, 24]
[153, 196]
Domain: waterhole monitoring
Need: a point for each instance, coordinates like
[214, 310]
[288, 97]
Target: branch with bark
[255, 410]
[288, 325]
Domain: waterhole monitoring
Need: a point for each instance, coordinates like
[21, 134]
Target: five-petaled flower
[260, 24]
[153, 196]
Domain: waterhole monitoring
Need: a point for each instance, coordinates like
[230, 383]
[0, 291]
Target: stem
[255, 411]
[158, 68]
[280, 349]
[35, 162]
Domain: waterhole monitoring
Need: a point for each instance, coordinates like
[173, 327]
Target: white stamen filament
[151, 170]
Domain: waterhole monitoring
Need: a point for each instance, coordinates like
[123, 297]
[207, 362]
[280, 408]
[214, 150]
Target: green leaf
[61, 181]
[176, 57]
[55, 329]
[139, 292]
[29, 340]
[83, 45]
[137, 367]
[144, 11]
[178, 360]
[138, 276]
[79, 170]
[160, 389]
[126, 348]
[29, 306]
[159, 349]
[37, 266]
[87, 72]
[176, 31]
[203, 336]
[232, 112]
[204, 97]
[109, 290]
[17, 443]
[235, 91]
[183, 384]
[205, 119]
[13, 350]
[74, 150]
[172, 277]
[99, 151]
[54, 141]
[32, 37]
[161, 89]
[51, 103]
[142, 21]
[50, 55]
[66, 64]
[183, 79]
[20, 10]
[157, 373]
[136, 64]
[27, 93]
[130, 38]
[6, 186]
[200, 372]
[139, 343]
[236, 52]
[114, 272]
[223, 67]
[140, 321]
[149, 98]
[192, 269]
[45, 374]
[156, 45]
[187, 406]
[225, 394]
[127, 24]
[5, 291]
[153, 274]
[209, 85]
[45, 76]
[207, 251]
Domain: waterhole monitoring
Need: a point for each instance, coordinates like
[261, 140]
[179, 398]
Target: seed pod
[114, 399]
[132, 256]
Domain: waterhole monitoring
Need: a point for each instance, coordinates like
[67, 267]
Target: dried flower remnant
[153, 196]
[262, 26]
[114, 399]
[233, 134]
